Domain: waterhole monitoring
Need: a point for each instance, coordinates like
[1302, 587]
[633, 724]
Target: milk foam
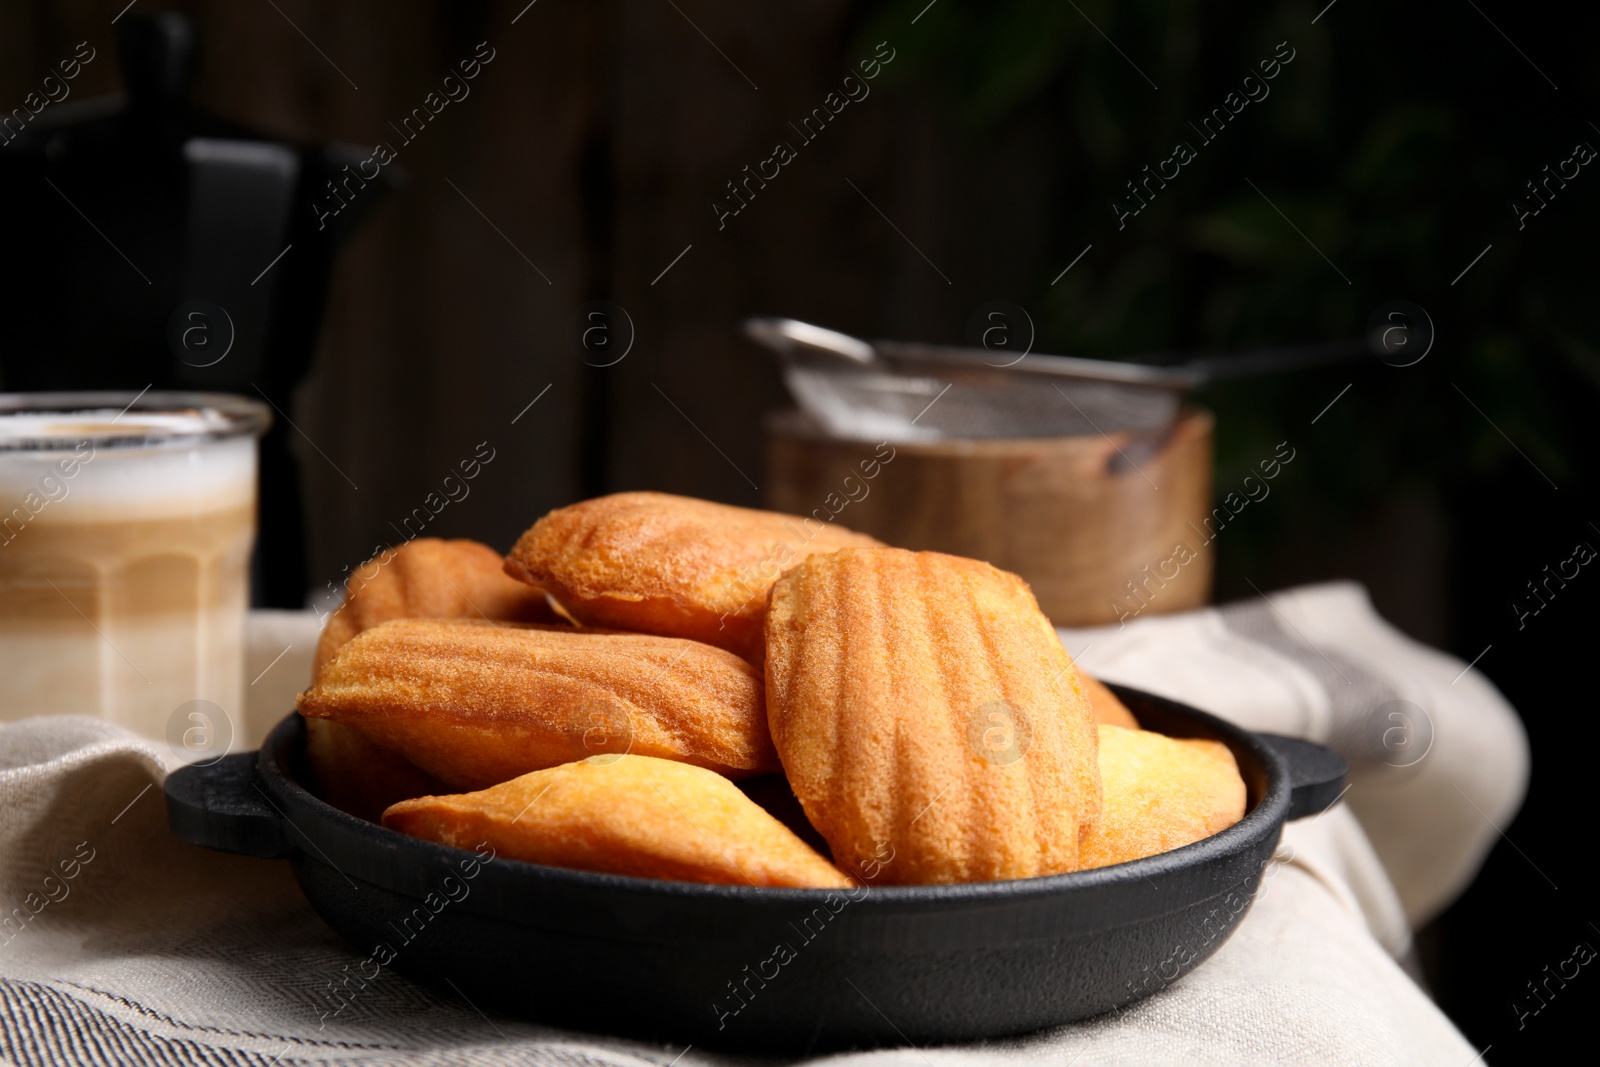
[104, 423]
[141, 464]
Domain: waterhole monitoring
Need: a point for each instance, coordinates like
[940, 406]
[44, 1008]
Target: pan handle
[220, 806]
[1316, 773]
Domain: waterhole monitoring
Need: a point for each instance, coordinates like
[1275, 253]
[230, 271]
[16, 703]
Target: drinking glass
[126, 526]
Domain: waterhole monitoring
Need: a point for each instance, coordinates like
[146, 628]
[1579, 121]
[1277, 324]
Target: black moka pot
[167, 248]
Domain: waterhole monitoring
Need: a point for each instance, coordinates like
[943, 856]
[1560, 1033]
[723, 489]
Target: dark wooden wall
[591, 149]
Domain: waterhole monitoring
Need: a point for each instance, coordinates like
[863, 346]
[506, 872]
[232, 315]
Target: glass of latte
[126, 525]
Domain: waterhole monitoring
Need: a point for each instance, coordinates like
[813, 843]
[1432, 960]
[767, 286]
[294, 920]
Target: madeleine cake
[670, 565]
[632, 815]
[929, 719]
[424, 578]
[1160, 793]
[475, 703]
[429, 578]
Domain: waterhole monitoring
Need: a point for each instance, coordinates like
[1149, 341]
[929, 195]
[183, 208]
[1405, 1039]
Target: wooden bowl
[1104, 527]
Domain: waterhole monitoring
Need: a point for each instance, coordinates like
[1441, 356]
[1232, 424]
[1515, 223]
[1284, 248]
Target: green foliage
[1380, 148]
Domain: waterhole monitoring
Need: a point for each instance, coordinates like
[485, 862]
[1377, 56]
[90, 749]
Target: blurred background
[435, 313]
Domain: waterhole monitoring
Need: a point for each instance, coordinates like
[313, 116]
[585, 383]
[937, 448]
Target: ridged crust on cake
[670, 565]
[632, 815]
[475, 704]
[929, 719]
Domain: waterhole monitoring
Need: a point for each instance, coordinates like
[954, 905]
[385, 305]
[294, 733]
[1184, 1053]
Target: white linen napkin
[1439, 760]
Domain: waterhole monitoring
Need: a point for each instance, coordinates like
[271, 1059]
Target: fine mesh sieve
[904, 391]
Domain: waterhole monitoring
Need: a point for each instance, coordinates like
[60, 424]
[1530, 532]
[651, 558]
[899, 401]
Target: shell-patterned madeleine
[426, 578]
[475, 704]
[1160, 793]
[670, 565]
[928, 718]
[632, 815]
[429, 578]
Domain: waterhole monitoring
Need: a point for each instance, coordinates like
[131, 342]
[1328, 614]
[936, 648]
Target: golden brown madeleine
[633, 815]
[670, 565]
[475, 703]
[430, 579]
[1160, 792]
[358, 776]
[1107, 708]
[424, 578]
[928, 718]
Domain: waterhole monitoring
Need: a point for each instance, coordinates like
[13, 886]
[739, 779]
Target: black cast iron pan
[781, 970]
